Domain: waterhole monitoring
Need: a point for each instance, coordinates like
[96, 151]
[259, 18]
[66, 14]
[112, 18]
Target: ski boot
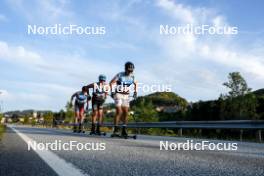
[116, 132]
[124, 132]
[98, 131]
[74, 129]
[93, 130]
[81, 128]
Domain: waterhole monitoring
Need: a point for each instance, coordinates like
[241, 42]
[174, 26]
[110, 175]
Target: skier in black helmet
[123, 81]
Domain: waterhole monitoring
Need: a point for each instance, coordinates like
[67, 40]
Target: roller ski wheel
[123, 137]
[92, 133]
[98, 134]
[115, 135]
[102, 134]
[131, 137]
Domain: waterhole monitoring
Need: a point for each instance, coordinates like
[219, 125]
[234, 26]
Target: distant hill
[23, 113]
[163, 99]
[166, 98]
[259, 92]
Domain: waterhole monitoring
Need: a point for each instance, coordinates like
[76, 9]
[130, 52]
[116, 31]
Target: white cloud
[26, 101]
[18, 54]
[179, 11]
[208, 47]
[219, 21]
[39, 95]
[196, 66]
[240, 60]
[49, 64]
[48, 11]
[3, 93]
[119, 13]
[54, 77]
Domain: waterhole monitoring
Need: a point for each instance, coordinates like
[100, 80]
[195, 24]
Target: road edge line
[59, 165]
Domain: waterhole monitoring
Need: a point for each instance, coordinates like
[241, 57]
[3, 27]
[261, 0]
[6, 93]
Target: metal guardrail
[180, 125]
[227, 124]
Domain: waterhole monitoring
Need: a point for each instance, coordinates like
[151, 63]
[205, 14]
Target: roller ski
[123, 134]
[80, 130]
[123, 137]
[74, 129]
[97, 132]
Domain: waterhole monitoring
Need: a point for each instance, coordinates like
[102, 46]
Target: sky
[43, 71]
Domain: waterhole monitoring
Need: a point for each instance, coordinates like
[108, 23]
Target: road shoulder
[15, 159]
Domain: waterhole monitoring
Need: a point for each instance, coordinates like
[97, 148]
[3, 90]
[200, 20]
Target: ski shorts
[96, 104]
[121, 99]
[78, 108]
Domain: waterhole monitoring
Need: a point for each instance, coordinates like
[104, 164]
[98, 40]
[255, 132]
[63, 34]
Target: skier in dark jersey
[99, 95]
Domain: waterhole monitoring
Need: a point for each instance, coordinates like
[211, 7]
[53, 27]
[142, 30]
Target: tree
[26, 120]
[239, 103]
[1, 117]
[69, 114]
[144, 111]
[48, 118]
[203, 110]
[260, 103]
[237, 84]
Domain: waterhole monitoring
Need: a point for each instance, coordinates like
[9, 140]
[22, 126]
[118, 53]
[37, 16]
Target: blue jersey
[125, 80]
[81, 98]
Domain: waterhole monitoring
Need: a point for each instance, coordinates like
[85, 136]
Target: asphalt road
[121, 157]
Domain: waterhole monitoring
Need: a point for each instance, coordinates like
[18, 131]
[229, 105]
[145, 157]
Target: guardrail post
[180, 132]
[200, 132]
[259, 137]
[241, 135]
[138, 131]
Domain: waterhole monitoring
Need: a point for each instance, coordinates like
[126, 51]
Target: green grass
[2, 130]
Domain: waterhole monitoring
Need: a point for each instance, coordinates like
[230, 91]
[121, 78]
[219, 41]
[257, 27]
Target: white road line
[59, 165]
